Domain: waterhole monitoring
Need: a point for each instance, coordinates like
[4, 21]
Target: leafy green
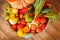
[52, 16]
[38, 5]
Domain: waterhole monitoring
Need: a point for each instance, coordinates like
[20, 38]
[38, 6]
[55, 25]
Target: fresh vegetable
[38, 5]
[24, 10]
[43, 20]
[42, 26]
[38, 29]
[13, 20]
[20, 33]
[14, 26]
[28, 18]
[15, 11]
[20, 26]
[12, 10]
[37, 20]
[46, 10]
[52, 16]
[23, 22]
[9, 9]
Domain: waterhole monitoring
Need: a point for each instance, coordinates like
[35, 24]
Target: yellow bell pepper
[20, 33]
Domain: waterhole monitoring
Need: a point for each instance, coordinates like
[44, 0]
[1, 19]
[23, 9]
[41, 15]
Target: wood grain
[51, 32]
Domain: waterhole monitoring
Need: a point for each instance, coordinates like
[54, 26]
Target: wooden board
[51, 32]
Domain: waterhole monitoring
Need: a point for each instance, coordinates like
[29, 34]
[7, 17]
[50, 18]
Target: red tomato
[23, 22]
[43, 20]
[14, 26]
[33, 27]
[37, 20]
[38, 30]
[20, 26]
[22, 11]
[42, 26]
[31, 14]
[47, 4]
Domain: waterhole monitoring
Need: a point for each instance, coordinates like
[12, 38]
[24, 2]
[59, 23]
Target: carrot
[11, 0]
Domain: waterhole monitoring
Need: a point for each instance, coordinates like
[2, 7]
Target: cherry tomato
[31, 14]
[42, 26]
[20, 26]
[38, 30]
[33, 27]
[14, 26]
[37, 20]
[23, 22]
[43, 20]
[22, 11]
[47, 4]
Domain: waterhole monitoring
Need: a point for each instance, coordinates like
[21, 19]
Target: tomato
[42, 26]
[33, 27]
[20, 26]
[47, 4]
[31, 14]
[14, 26]
[38, 30]
[23, 22]
[22, 11]
[43, 20]
[37, 20]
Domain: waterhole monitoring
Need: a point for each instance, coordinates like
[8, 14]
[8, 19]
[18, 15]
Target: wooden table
[51, 32]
